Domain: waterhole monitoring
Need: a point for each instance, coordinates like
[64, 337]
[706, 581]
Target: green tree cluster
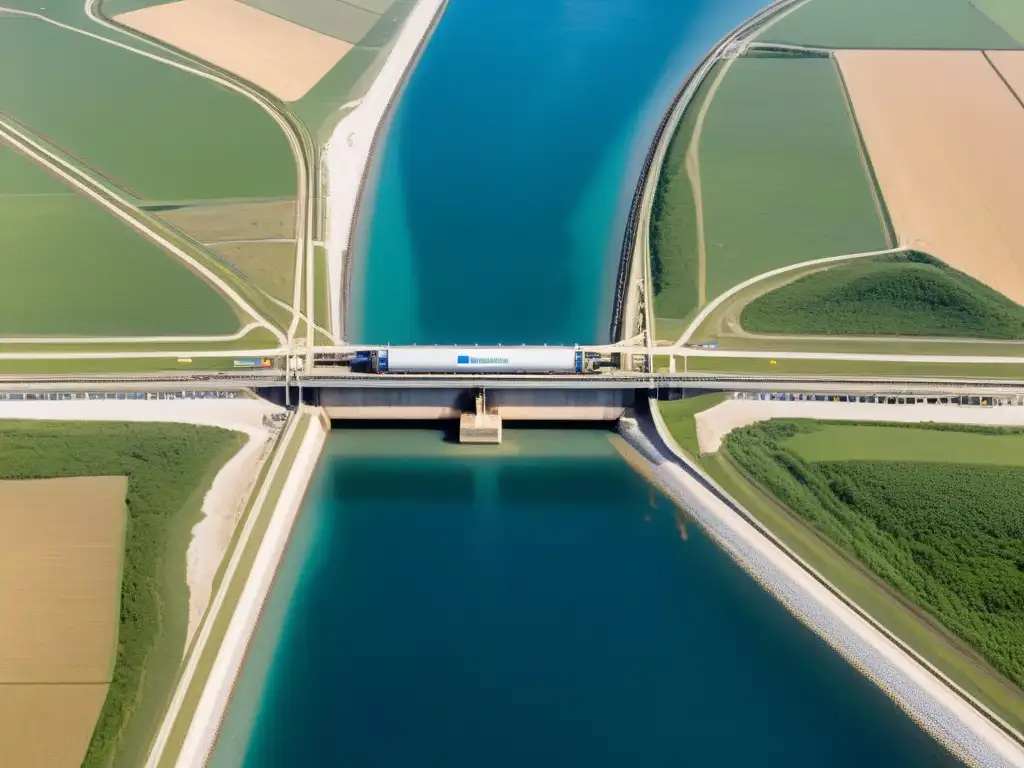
[948, 537]
[911, 294]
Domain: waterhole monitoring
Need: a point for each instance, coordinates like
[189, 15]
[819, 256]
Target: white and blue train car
[476, 360]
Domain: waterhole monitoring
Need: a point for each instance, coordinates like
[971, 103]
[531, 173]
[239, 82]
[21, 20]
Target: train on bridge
[484, 360]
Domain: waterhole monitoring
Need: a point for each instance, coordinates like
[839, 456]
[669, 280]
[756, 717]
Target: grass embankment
[680, 419]
[892, 24]
[169, 467]
[933, 548]
[909, 294]
[674, 251]
[782, 176]
[288, 450]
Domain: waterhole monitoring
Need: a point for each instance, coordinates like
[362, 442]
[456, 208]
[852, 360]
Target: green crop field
[340, 20]
[782, 176]
[169, 467]
[868, 442]
[72, 269]
[1009, 14]
[158, 132]
[906, 295]
[935, 513]
[896, 24]
[674, 253]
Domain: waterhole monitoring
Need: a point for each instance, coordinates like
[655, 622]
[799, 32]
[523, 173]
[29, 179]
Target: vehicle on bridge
[473, 360]
[254, 362]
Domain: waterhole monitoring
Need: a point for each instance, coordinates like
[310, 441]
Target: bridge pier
[480, 426]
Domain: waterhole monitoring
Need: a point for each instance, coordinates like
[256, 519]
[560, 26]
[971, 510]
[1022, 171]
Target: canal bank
[535, 603]
[968, 728]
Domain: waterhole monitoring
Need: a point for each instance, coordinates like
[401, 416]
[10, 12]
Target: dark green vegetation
[351, 77]
[176, 136]
[892, 24]
[674, 257]
[948, 537]
[910, 294]
[679, 418]
[169, 467]
[782, 176]
[73, 269]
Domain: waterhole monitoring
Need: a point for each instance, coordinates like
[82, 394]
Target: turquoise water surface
[503, 185]
[534, 605]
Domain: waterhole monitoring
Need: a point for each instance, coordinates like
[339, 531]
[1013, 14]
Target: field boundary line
[57, 165]
[885, 218]
[244, 331]
[205, 629]
[718, 300]
[303, 215]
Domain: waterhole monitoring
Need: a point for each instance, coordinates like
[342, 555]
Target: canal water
[536, 604]
[498, 203]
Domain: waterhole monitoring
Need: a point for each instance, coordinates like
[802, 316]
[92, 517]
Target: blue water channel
[498, 203]
[535, 605]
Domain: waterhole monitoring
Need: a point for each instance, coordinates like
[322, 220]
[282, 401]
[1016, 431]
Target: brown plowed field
[946, 138]
[275, 54]
[48, 726]
[61, 546]
[61, 549]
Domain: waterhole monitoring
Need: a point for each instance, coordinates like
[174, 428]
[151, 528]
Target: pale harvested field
[48, 726]
[235, 221]
[284, 58]
[946, 138]
[61, 547]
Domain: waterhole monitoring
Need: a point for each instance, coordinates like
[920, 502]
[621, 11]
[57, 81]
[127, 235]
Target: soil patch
[946, 138]
[284, 58]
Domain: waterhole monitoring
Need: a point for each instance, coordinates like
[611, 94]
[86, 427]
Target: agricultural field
[782, 175]
[72, 269]
[176, 136]
[930, 511]
[315, 55]
[283, 58]
[896, 24]
[61, 552]
[168, 469]
[905, 295]
[944, 135]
